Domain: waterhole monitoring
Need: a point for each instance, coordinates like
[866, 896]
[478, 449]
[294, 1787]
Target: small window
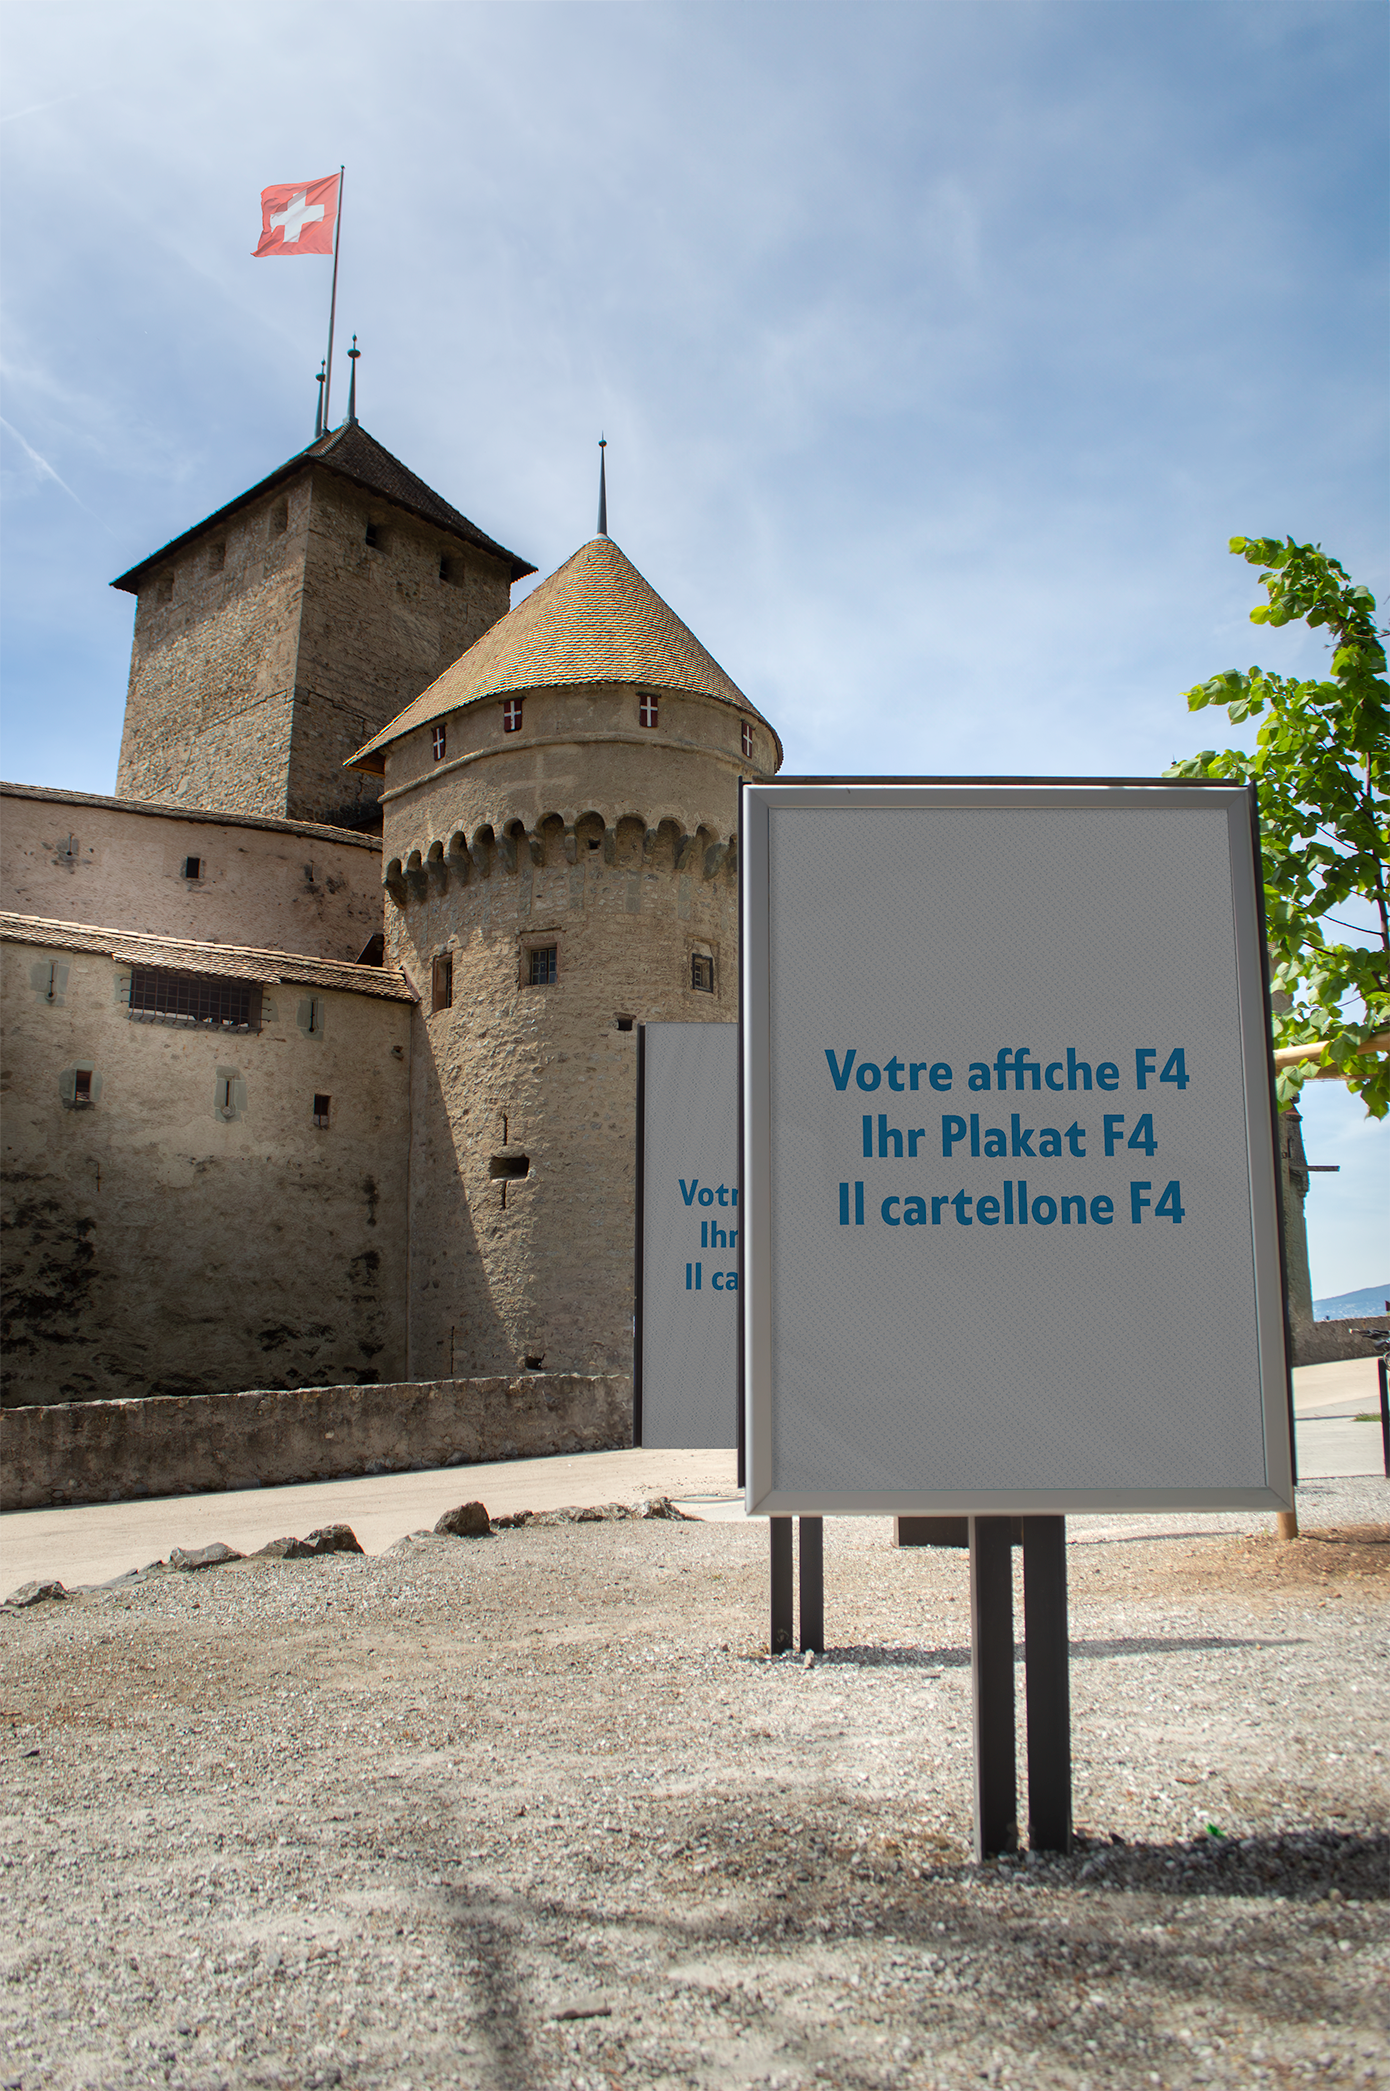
[594, 841]
[217, 558]
[164, 589]
[701, 973]
[440, 742]
[747, 741]
[541, 969]
[623, 1023]
[509, 1166]
[321, 1109]
[646, 710]
[534, 1360]
[82, 1090]
[373, 537]
[279, 519]
[511, 714]
[194, 998]
[442, 996]
[450, 569]
[192, 867]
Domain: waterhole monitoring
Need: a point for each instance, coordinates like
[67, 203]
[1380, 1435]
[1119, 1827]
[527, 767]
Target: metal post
[780, 1532]
[812, 1540]
[992, 1675]
[1047, 1683]
[1383, 1374]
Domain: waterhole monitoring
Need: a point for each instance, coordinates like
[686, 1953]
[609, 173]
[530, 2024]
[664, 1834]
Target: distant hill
[1346, 1306]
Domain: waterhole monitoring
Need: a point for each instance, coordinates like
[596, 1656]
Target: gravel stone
[398, 1820]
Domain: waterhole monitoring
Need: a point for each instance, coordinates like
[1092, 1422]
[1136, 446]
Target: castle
[320, 1034]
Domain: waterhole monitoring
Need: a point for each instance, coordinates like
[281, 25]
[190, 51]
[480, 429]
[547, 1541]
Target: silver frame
[1261, 1128]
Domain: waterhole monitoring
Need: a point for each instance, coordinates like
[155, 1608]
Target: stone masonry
[273, 639]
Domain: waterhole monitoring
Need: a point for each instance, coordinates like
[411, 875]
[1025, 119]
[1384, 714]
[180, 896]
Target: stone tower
[274, 638]
[560, 814]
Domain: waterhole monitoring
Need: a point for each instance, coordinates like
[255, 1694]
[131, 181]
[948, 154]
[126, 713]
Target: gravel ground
[537, 1810]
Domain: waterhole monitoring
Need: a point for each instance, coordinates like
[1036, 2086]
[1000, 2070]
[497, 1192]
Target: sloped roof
[595, 620]
[183, 955]
[353, 455]
[312, 829]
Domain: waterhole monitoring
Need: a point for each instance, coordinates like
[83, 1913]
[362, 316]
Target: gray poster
[1009, 1154]
[688, 1290]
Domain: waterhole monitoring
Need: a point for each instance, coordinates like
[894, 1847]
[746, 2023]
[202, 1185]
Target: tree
[1321, 774]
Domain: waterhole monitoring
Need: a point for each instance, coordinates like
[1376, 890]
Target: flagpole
[333, 301]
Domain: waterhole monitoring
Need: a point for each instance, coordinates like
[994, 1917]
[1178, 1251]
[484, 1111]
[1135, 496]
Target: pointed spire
[318, 417]
[353, 353]
[602, 488]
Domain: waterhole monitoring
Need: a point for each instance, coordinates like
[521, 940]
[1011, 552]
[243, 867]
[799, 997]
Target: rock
[327, 1539]
[469, 1521]
[34, 1594]
[202, 1556]
[585, 2007]
[594, 1514]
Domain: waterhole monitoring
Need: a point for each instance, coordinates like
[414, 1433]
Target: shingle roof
[312, 829]
[354, 455]
[595, 620]
[182, 955]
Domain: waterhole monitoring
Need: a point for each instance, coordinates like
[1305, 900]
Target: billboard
[1012, 1233]
[685, 1353]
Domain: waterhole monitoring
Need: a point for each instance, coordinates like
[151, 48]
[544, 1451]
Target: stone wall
[111, 1451]
[277, 885]
[1332, 1342]
[278, 640]
[192, 1228]
[544, 841]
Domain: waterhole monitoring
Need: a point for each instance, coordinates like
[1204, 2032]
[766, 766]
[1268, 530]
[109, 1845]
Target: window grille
[511, 714]
[442, 996]
[646, 710]
[542, 968]
[194, 998]
[701, 973]
[441, 742]
[321, 1104]
[747, 741]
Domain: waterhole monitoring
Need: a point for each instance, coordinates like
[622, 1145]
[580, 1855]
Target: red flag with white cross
[298, 217]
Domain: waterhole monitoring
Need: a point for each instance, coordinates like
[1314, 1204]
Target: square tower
[277, 636]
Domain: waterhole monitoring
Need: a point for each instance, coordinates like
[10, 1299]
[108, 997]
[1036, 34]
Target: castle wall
[627, 887]
[157, 1243]
[278, 640]
[77, 858]
[212, 664]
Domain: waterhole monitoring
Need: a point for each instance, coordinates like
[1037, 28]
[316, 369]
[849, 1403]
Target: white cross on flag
[297, 217]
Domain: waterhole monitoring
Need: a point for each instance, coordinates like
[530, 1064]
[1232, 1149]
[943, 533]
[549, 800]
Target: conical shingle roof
[595, 620]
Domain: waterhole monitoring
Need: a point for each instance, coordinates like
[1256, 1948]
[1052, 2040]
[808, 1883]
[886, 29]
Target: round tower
[560, 842]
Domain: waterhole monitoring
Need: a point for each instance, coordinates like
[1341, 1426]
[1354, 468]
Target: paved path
[95, 1541]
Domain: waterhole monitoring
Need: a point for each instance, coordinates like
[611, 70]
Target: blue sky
[940, 348]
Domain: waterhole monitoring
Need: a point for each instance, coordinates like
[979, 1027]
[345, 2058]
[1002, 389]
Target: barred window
[646, 709]
[701, 973]
[194, 998]
[441, 742]
[542, 969]
[511, 714]
[747, 741]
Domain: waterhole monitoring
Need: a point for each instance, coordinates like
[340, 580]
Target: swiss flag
[298, 217]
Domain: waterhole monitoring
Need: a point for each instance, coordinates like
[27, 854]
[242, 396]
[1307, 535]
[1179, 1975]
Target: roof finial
[602, 488]
[318, 417]
[353, 353]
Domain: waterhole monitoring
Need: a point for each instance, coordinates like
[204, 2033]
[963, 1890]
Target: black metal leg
[1383, 1374]
[1047, 1682]
[780, 1529]
[992, 1674]
[812, 1539]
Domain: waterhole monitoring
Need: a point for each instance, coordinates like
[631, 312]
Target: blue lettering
[841, 1080]
[689, 1195]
